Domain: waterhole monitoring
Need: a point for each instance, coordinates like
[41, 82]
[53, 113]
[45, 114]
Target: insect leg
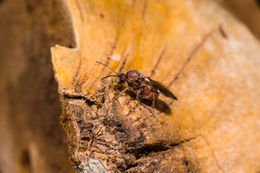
[153, 104]
[124, 90]
[137, 94]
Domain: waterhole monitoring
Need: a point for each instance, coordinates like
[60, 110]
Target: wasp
[145, 87]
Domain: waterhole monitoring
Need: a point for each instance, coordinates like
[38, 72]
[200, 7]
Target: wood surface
[200, 52]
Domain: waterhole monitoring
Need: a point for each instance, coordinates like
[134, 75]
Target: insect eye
[122, 79]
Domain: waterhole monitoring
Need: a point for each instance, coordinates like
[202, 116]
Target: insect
[145, 87]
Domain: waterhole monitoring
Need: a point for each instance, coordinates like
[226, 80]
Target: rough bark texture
[196, 49]
[116, 137]
[211, 128]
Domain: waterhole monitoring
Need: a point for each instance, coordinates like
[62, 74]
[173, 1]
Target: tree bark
[194, 48]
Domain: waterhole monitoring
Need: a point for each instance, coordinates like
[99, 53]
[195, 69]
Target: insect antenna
[109, 76]
[108, 67]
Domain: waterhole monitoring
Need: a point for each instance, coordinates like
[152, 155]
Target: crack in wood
[144, 9]
[157, 147]
[101, 134]
[192, 54]
[157, 63]
[223, 32]
[125, 56]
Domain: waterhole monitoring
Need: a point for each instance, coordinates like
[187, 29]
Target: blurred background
[31, 137]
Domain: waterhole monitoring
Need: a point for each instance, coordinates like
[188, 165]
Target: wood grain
[213, 125]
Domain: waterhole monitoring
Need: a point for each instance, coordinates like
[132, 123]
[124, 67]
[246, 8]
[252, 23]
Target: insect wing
[162, 89]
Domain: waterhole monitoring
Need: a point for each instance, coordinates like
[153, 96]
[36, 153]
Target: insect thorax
[134, 78]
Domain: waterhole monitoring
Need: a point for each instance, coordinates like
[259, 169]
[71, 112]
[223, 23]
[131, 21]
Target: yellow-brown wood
[200, 52]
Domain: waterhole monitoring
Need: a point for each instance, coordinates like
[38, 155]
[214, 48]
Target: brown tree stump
[197, 50]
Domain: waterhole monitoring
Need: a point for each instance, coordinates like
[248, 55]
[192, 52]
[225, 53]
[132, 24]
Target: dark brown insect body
[145, 87]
